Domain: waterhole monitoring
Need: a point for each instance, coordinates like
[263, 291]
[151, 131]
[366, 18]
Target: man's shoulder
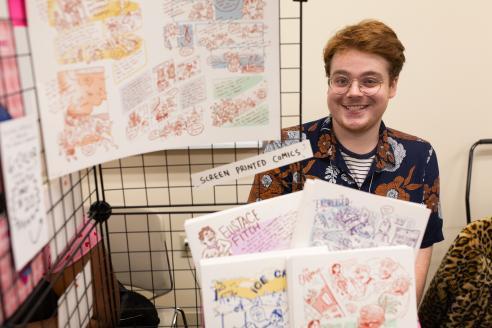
[295, 133]
[408, 139]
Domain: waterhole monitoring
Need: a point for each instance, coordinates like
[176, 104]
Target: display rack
[149, 196]
[32, 294]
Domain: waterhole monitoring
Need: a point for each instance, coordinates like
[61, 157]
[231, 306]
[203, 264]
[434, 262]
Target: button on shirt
[405, 167]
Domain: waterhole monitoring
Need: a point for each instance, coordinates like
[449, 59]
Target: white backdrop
[445, 87]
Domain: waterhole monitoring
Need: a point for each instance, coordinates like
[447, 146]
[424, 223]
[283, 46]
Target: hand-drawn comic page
[359, 288]
[247, 290]
[21, 168]
[345, 218]
[116, 78]
[257, 227]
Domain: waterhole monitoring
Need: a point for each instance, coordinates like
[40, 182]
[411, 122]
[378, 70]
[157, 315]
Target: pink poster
[17, 11]
[10, 88]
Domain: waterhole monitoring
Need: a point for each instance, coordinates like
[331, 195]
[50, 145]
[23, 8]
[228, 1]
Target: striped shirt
[358, 164]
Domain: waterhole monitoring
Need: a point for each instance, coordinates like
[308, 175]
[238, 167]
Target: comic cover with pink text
[373, 287]
[257, 227]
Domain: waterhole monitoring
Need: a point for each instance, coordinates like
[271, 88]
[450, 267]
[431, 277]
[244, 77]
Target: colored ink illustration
[90, 31]
[87, 126]
[214, 247]
[250, 302]
[373, 292]
[161, 119]
[246, 104]
[169, 73]
[344, 225]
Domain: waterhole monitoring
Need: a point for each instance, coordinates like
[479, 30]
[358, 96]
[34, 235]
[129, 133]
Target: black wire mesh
[151, 196]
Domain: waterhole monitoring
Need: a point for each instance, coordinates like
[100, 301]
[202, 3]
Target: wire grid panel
[32, 293]
[151, 196]
[163, 179]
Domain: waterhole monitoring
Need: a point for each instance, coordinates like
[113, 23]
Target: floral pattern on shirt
[405, 167]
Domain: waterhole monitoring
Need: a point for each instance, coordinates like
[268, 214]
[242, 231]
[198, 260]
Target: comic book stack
[327, 256]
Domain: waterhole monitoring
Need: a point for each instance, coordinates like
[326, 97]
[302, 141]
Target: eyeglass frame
[351, 80]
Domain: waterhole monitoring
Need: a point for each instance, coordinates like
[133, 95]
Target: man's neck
[359, 143]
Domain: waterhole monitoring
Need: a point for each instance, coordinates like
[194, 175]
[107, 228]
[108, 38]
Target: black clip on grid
[100, 211]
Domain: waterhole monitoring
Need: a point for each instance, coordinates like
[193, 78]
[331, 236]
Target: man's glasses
[367, 85]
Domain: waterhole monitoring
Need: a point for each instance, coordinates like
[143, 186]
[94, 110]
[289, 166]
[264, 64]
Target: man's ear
[393, 87]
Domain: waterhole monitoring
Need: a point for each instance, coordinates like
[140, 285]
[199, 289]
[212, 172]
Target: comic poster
[247, 290]
[372, 287]
[21, 172]
[251, 228]
[121, 77]
[344, 218]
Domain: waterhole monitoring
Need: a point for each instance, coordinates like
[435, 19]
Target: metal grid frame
[67, 200]
[157, 186]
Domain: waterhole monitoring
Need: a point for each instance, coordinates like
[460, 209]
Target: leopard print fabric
[460, 294]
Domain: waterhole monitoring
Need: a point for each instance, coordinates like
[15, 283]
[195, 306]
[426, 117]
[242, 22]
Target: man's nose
[354, 89]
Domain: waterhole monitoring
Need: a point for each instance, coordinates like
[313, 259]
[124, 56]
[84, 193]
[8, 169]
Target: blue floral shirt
[405, 167]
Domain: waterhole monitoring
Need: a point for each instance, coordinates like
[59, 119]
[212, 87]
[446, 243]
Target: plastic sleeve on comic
[346, 218]
[257, 227]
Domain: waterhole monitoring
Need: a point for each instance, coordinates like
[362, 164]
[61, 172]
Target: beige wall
[445, 88]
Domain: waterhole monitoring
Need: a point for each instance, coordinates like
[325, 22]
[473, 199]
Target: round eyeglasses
[367, 85]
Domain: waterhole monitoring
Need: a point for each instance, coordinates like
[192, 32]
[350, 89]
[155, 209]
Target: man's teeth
[355, 107]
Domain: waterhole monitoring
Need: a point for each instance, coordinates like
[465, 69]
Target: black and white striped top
[358, 164]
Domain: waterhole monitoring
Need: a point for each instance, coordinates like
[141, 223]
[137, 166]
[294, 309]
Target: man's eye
[370, 82]
[341, 81]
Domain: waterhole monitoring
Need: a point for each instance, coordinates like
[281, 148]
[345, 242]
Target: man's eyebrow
[344, 72]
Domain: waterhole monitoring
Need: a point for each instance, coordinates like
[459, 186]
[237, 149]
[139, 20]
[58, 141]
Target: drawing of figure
[165, 75]
[371, 316]
[314, 324]
[202, 11]
[361, 281]
[171, 36]
[87, 123]
[394, 301]
[276, 319]
[382, 233]
[253, 9]
[386, 268]
[213, 247]
[233, 61]
[258, 316]
[341, 282]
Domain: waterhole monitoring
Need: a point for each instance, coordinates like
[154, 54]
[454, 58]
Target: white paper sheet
[346, 218]
[372, 287]
[21, 168]
[118, 78]
[257, 227]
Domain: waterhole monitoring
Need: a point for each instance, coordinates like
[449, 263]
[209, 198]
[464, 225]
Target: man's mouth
[355, 107]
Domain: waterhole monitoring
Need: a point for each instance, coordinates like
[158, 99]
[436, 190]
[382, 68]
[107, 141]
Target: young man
[352, 146]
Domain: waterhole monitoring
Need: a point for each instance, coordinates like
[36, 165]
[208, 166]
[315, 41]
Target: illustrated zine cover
[345, 218]
[257, 227]
[373, 287]
[247, 290]
[116, 78]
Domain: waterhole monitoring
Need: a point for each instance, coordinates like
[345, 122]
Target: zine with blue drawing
[344, 218]
[247, 290]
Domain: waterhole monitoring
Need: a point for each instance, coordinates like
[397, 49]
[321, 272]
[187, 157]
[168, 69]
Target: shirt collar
[327, 146]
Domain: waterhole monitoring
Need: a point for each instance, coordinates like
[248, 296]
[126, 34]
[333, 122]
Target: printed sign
[250, 166]
[21, 167]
